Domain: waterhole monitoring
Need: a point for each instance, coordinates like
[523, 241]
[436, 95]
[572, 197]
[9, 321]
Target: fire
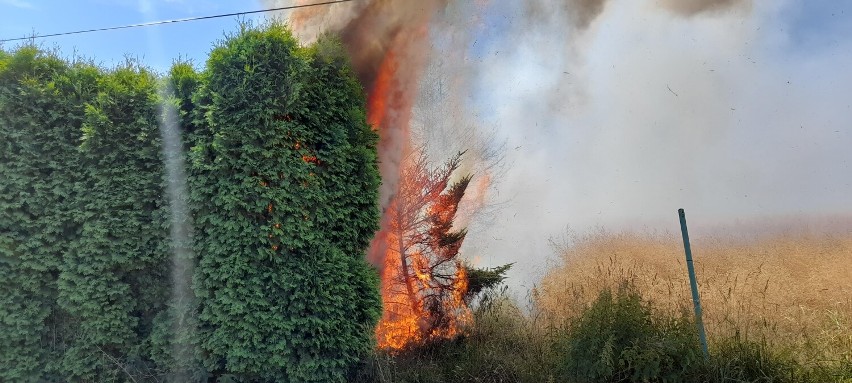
[406, 320]
[423, 283]
[310, 159]
[377, 106]
[387, 43]
[401, 318]
[463, 315]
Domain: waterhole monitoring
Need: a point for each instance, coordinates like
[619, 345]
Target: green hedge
[115, 279]
[283, 187]
[288, 181]
[42, 109]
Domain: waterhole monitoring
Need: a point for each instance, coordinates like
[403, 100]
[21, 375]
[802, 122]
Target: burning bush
[423, 281]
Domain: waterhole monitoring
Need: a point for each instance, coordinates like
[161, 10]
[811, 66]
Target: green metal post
[696, 302]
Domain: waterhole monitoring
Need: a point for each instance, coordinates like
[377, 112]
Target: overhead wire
[173, 21]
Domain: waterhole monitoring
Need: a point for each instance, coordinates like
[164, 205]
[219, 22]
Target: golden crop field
[793, 290]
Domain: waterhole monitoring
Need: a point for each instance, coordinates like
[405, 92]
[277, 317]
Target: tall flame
[423, 283]
[388, 44]
[402, 318]
[377, 104]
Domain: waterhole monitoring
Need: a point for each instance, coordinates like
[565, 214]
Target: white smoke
[648, 109]
[616, 114]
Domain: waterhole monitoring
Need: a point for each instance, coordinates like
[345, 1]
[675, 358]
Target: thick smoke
[646, 110]
[570, 13]
[615, 114]
[387, 43]
[694, 7]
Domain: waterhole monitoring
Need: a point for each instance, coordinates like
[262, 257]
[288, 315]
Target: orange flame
[405, 321]
[423, 285]
[377, 105]
[401, 323]
[387, 42]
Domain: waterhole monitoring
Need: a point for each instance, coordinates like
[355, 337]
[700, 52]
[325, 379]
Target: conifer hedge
[286, 187]
[283, 188]
[115, 279]
[42, 108]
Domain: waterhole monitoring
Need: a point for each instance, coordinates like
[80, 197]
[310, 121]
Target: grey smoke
[570, 13]
[695, 7]
[617, 113]
[620, 121]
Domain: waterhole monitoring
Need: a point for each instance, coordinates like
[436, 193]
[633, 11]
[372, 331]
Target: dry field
[793, 290]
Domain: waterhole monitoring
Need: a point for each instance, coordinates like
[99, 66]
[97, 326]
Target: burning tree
[388, 43]
[423, 281]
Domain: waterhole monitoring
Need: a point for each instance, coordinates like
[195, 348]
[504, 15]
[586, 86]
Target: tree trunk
[403, 262]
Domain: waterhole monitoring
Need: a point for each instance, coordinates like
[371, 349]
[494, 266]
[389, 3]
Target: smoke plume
[580, 13]
[715, 107]
[694, 7]
[611, 113]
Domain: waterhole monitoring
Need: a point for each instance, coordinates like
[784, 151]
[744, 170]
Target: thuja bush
[82, 234]
[42, 109]
[114, 280]
[620, 338]
[284, 187]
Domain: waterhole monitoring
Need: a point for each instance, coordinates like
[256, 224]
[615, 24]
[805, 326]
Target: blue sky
[816, 24]
[813, 25]
[156, 46]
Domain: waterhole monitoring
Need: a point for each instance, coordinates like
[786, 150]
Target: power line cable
[151, 23]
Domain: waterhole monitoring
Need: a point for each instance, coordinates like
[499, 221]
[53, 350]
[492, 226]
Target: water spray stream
[182, 306]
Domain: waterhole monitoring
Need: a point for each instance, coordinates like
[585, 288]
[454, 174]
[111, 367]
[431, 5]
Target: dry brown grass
[794, 291]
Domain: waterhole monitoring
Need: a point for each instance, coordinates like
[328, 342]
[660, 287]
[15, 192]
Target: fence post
[696, 301]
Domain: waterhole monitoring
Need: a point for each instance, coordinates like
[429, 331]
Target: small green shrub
[620, 339]
[738, 359]
[741, 360]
